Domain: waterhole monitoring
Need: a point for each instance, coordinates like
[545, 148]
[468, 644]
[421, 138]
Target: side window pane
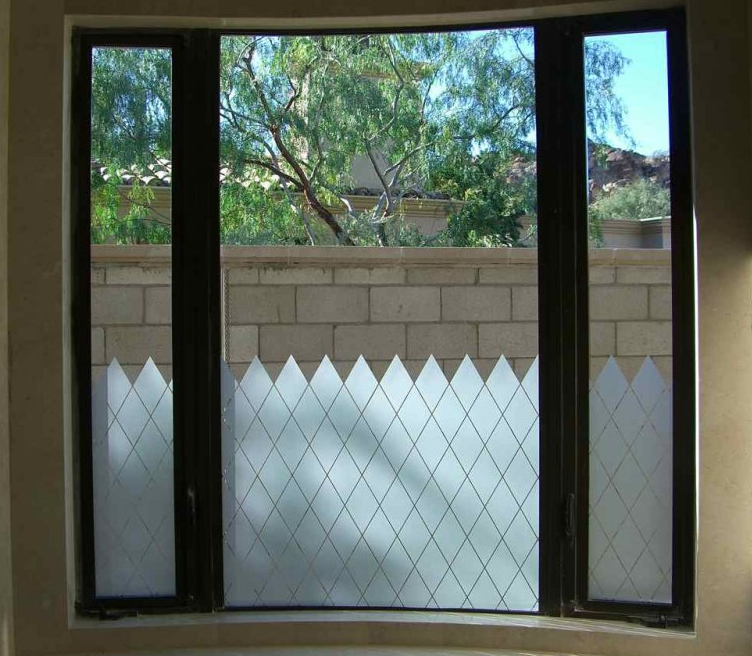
[630, 521]
[379, 262]
[131, 322]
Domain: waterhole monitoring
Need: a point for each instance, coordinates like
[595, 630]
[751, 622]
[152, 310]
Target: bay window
[385, 319]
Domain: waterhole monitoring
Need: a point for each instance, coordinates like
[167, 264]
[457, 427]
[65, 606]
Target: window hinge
[191, 496]
[569, 516]
[105, 614]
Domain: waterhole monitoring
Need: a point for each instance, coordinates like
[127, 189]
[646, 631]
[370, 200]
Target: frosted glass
[133, 484]
[630, 486]
[393, 492]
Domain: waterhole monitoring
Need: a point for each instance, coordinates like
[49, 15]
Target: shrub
[642, 199]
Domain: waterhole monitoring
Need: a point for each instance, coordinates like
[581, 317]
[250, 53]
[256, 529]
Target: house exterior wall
[430, 216]
[41, 472]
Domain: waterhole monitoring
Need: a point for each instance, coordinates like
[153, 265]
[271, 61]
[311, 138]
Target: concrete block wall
[379, 303]
[630, 309]
[131, 314]
[412, 311]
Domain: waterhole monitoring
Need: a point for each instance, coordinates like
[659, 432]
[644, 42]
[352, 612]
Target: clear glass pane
[131, 319]
[380, 403]
[630, 320]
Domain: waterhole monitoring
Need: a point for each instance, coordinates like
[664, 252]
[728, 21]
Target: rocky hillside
[609, 169]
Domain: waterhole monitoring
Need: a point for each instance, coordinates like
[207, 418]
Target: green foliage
[131, 108]
[443, 114]
[642, 199]
[599, 152]
[131, 129]
[446, 110]
[493, 200]
[604, 110]
[124, 214]
[252, 215]
[397, 232]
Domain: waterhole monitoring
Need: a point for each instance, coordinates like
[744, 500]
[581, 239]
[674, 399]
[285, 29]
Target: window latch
[191, 494]
[569, 512]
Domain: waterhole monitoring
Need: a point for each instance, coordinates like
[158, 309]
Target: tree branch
[146, 206]
[248, 65]
[384, 184]
[275, 170]
[519, 50]
[308, 191]
[303, 182]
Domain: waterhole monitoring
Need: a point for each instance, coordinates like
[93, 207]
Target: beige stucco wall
[6, 608]
[43, 591]
[430, 216]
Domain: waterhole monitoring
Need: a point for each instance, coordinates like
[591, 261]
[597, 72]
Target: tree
[305, 108]
[641, 199]
[131, 141]
[437, 114]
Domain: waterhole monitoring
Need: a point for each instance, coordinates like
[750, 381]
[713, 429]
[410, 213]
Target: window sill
[386, 617]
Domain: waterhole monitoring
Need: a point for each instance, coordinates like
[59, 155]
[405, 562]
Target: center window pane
[380, 320]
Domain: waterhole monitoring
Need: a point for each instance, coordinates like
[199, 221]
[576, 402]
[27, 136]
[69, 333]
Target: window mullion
[81, 311]
[684, 322]
[201, 298]
[181, 337]
[562, 241]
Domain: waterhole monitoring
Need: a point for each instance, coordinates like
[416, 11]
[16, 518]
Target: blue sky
[643, 88]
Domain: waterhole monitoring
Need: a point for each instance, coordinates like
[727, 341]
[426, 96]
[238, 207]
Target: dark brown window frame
[563, 324]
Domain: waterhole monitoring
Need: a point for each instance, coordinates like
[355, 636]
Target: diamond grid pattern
[388, 492]
[133, 484]
[630, 495]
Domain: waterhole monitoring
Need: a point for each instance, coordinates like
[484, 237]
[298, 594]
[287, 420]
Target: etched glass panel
[381, 492]
[630, 485]
[132, 457]
[131, 333]
[630, 522]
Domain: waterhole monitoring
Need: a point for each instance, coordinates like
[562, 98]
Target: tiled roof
[158, 174]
